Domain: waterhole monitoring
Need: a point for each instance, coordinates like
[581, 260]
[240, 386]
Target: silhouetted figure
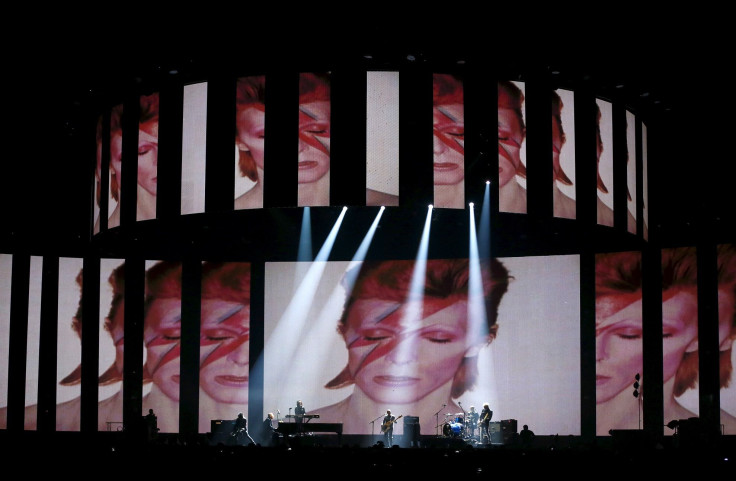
[150, 425]
[240, 430]
[526, 436]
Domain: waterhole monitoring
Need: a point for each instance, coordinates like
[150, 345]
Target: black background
[672, 66]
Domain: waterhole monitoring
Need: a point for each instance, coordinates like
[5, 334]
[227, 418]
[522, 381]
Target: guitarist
[485, 422]
[387, 428]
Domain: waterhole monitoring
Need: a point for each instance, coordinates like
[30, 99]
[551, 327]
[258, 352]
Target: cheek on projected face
[224, 350]
[162, 336]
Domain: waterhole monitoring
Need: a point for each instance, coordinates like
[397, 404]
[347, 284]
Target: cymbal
[448, 414]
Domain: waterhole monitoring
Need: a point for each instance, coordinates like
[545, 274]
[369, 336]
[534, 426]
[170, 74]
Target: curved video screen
[425, 339]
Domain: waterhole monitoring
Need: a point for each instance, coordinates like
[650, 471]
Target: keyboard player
[299, 413]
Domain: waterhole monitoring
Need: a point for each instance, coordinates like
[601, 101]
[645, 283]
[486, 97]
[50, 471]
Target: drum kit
[457, 426]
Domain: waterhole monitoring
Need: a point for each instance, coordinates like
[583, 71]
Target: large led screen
[563, 154]
[111, 345]
[352, 339]
[224, 370]
[631, 172]
[511, 147]
[604, 151]
[116, 166]
[680, 363]
[162, 343]
[619, 347]
[314, 140]
[727, 334]
[448, 126]
[6, 276]
[382, 139]
[193, 148]
[69, 345]
[645, 181]
[98, 177]
[147, 157]
[250, 142]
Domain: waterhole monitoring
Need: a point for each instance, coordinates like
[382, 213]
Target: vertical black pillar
[168, 191]
[257, 312]
[281, 138]
[348, 136]
[708, 342]
[220, 173]
[18, 337]
[538, 107]
[90, 342]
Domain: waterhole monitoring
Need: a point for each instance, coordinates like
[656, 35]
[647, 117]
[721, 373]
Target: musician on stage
[471, 421]
[299, 413]
[240, 430]
[387, 427]
[269, 434]
[485, 421]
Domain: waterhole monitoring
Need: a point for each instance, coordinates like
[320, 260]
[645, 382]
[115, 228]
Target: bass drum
[454, 430]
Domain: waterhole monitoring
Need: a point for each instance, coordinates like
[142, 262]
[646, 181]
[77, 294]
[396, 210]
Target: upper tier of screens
[312, 179]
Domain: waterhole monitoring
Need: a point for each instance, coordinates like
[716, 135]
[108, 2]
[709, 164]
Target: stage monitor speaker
[496, 433]
[509, 430]
[411, 435]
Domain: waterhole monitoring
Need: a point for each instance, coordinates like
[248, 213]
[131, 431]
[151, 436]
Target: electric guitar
[385, 426]
[487, 417]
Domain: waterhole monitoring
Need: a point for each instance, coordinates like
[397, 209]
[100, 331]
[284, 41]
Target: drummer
[471, 422]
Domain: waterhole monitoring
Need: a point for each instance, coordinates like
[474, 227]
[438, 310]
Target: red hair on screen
[249, 92]
[229, 281]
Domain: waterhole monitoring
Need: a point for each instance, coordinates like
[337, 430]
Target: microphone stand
[373, 424]
[289, 416]
[437, 421]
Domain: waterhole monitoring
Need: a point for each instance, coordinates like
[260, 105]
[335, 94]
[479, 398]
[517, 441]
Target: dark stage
[321, 456]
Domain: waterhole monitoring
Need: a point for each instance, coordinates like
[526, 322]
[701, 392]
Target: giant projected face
[112, 344]
[511, 136]
[679, 333]
[727, 334]
[147, 157]
[356, 338]
[563, 155]
[116, 167]
[98, 177]
[250, 123]
[604, 154]
[449, 142]
[618, 336]
[314, 140]
[162, 341]
[224, 341]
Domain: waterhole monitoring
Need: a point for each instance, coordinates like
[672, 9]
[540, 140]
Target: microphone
[459, 403]
[278, 412]
[444, 405]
